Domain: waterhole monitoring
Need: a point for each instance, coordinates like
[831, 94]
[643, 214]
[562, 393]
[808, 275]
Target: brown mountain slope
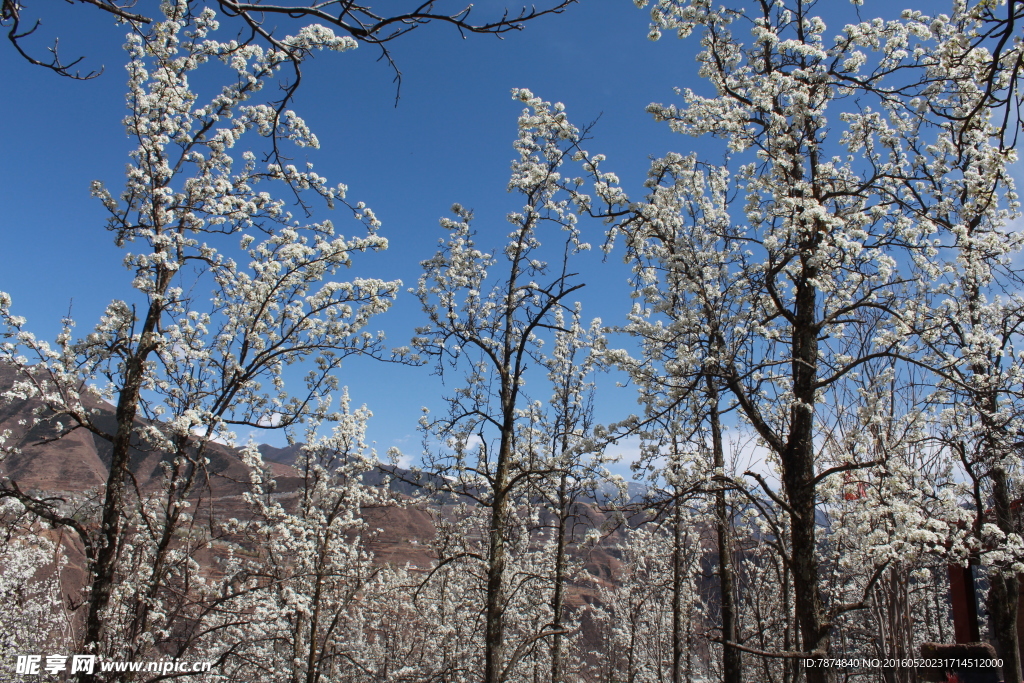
[80, 460]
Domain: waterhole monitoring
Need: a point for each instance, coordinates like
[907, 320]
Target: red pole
[965, 604]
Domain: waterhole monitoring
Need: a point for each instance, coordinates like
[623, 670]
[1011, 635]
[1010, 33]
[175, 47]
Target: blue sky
[448, 140]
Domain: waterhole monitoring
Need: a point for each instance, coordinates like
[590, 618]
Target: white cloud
[742, 453]
[270, 421]
[225, 439]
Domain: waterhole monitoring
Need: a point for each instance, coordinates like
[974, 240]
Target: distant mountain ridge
[402, 479]
[80, 461]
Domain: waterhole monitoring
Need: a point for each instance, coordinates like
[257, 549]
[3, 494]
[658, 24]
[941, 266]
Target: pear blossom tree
[181, 369]
[362, 23]
[843, 285]
[684, 455]
[422, 632]
[905, 516]
[682, 433]
[972, 330]
[311, 555]
[636, 615]
[487, 315]
[31, 585]
[567, 432]
[973, 333]
[828, 240]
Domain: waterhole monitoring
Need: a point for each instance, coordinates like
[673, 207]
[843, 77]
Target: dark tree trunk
[678, 625]
[109, 535]
[494, 646]
[558, 599]
[1004, 591]
[732, 663]
[798, 472]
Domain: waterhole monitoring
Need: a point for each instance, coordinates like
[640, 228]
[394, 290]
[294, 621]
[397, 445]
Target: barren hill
[79, 461]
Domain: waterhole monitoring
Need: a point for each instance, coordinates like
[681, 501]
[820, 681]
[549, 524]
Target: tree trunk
[732, 663]
[1004, 589]
[494, 634]
[558, 599]
[109, 534]
[788, 668]
[798, 473]
[678, 644]
[494, 646]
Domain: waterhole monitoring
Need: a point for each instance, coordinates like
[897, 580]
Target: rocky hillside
[43, 461]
